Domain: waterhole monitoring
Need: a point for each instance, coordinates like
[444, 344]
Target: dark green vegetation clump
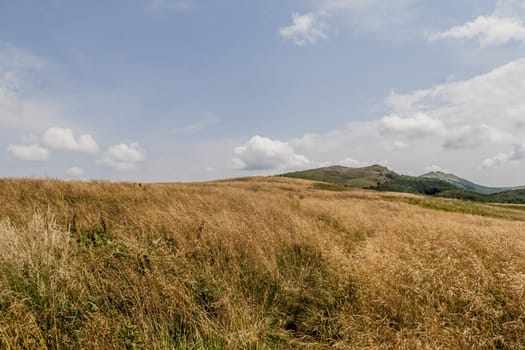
[439, 188]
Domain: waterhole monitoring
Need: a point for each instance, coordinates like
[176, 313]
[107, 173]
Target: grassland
[379, 178]
[259, 263]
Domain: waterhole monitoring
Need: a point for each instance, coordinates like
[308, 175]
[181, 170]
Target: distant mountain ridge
[439, 184]
[468, 185]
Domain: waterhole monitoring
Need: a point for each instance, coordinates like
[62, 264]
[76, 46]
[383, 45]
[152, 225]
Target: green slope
[366, 177]
[418, 185]
[430, 187]
[440, 188]
[466, 184]
[379, 178]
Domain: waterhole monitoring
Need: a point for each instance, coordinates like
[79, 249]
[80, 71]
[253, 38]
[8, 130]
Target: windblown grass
[262, 263]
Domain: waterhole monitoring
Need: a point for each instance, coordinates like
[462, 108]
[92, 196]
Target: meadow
[255, 263]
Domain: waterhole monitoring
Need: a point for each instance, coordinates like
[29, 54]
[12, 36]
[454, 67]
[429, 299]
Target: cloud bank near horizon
[478, 117]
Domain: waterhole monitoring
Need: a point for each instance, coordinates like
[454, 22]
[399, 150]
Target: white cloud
[516, 155]
[261, 153]
[504, 25]
[496, 98]
[75, 171]
[435, 168]
[495, 161]
[127, 153]
[377, 16]
[488, 30]
[306, 29]
[458, 122]
[64, 139]
[417, 126]
[32, 152]
[350, 162]
[481, 113]
[123, 157]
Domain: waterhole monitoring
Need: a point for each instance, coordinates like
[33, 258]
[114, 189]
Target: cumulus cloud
[64, 139]
[495, 98]
[517, 154]
[306, 29]
[467, 118]
[123, 157]
[32, 152]
[261, 153]
[417, 126]
[494, 162]
[75, 171]
[504, 25]
[435, 168]
[480, 113]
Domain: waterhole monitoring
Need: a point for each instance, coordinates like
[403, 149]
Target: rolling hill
[466, 184]
[379, 178]
[366, 177]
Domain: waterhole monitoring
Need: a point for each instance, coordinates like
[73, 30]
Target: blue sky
[191, 90]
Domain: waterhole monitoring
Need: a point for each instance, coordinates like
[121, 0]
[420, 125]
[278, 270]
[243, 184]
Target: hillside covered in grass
[437, 184]
[259, 263]
[439, 188]
[466, 184]
[366, 177]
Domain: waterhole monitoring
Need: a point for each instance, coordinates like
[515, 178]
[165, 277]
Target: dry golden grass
[260, 263]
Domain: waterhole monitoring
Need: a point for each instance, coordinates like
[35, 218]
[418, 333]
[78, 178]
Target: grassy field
[259, 263]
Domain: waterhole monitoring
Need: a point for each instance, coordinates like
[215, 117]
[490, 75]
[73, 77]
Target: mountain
[366, 177]
[438, 184]
[417, 185]
[466, 184]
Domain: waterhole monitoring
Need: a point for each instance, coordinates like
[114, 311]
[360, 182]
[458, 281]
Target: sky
[195, 90]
